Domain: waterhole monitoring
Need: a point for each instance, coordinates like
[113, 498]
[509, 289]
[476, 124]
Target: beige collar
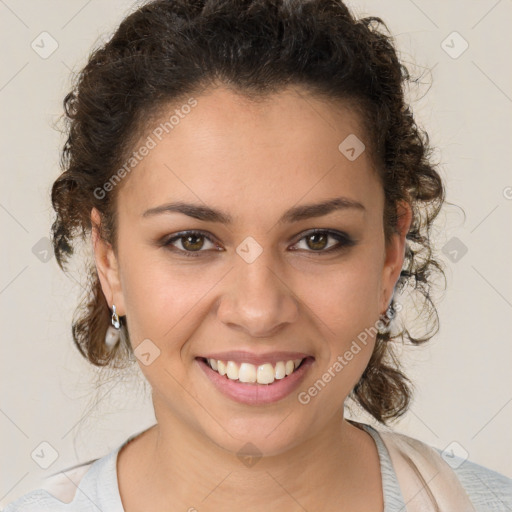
[427, 482]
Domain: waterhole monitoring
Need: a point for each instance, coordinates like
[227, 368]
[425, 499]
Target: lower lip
[254, 393]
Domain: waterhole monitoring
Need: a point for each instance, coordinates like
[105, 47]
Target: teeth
[246, 372]
[280, 370]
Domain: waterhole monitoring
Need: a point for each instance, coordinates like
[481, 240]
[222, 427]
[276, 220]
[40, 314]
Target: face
[263, 285]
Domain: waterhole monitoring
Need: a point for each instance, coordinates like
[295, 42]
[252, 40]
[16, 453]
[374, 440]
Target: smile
[255, 384]
[246, 372]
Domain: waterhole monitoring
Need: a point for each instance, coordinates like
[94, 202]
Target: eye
[316, 240]
[190, 241]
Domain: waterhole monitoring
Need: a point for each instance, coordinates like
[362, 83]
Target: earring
[384, 322]
[115, 318]
[113, 332]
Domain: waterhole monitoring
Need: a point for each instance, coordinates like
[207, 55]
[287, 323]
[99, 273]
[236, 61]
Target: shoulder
[487, 489]
[55, 493]
[77, 489]
[91, 486]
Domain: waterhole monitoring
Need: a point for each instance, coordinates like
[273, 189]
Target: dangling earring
[384, 323]
[113, 332]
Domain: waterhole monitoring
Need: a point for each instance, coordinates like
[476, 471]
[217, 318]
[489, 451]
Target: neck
[332, 468]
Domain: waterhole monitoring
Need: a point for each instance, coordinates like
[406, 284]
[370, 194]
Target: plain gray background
[462, 377]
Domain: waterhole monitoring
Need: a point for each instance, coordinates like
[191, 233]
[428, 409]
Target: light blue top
[488, 490]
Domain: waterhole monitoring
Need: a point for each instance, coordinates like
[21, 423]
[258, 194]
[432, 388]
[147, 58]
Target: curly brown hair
[170, 49]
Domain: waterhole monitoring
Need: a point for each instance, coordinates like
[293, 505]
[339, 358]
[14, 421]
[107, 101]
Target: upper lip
[241, 356]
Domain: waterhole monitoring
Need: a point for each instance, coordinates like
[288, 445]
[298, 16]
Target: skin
[252, 161]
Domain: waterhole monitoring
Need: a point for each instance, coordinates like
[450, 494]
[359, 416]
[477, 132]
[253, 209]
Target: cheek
[345, 297]
[161, 298]
[345, 306]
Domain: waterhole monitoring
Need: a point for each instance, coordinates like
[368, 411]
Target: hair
[168, 50]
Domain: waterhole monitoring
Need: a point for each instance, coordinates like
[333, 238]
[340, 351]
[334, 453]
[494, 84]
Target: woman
[258, 199]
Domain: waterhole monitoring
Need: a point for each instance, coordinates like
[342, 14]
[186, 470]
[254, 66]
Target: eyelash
[344, 241]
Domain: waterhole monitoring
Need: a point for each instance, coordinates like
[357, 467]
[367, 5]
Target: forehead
[235, 153]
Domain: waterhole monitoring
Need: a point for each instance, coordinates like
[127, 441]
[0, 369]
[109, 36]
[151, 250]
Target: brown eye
[191, 242]
[317, 241]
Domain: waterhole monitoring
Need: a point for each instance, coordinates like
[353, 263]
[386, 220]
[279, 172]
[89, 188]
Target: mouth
[255, 384]
[248, 373]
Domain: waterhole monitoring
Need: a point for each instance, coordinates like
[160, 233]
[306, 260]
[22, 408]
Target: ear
[107, 266]
[395, 253]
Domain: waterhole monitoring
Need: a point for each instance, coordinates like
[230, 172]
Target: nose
[257, 299]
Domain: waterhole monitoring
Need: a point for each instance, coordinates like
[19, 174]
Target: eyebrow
[295, 214]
